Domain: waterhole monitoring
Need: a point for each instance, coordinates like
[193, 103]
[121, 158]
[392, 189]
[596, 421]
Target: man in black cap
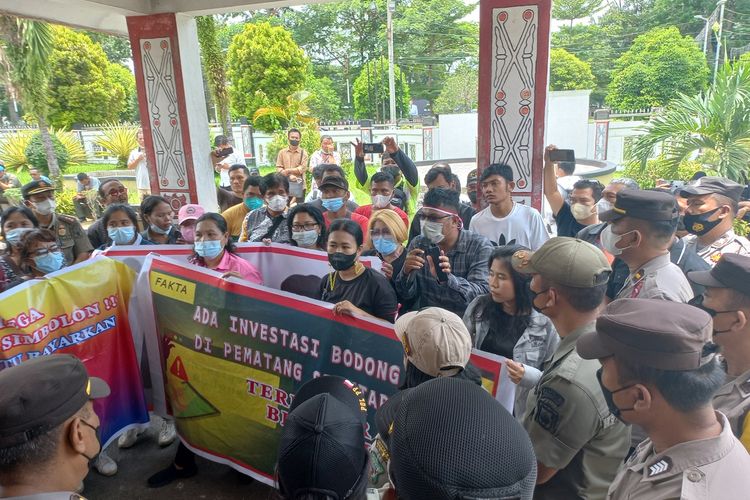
[322, 447]
[39, 196]
[48, 427]
[640, 232]
[334, 195]
[659, 371]
[712, 205]
[448, 438]
[579, 445]
[727, 300]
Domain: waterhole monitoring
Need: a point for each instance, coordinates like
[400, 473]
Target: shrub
[64, 200]
[76, 153]
[659, 168]
[36, 156]
[119, 140]
[13, 148]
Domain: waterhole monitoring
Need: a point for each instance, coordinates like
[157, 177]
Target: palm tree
[25, 48]
[296, 113]
[716, 124]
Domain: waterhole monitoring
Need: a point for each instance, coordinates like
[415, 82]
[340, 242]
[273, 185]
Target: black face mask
[96, 431]
[609, 399]
[472, 196]
[699, 224]
[697, 301]
[293, 143]
[534, 295]
[341, 261]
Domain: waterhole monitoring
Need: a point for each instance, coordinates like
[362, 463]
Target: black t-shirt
[567, 225]
[227, 199]
[370, 291]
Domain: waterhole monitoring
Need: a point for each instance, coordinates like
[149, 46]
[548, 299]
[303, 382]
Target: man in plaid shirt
[463, 258]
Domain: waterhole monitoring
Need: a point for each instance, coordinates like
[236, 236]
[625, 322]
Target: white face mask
[381, 201]
[45, 207]
[603, 206]
[609, 241]
[581, 211]
[277, 203]
[433, 231]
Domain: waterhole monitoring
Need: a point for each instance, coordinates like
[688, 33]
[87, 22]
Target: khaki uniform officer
[640, 232]
[579, 445]
[712, 204]
[39, 196]
[727, 299]
[659, 371]
[48, 427]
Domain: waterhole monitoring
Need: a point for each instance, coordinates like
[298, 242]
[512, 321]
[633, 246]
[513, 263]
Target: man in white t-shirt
[504, 221]
[137, 162]
[223, 157]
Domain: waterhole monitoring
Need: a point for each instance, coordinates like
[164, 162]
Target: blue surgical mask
[384, 246]
[13, 237]
[209, 249]
[253, 203]
[156, 229]
[121, 235]
[49, 262]
[333, 204]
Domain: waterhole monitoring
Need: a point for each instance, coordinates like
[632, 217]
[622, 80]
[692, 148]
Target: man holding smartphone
[445, 265]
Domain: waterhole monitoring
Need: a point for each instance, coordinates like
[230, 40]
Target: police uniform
[658, 278]
[733, 399]
[38, 396]
[674, 337]
[71, 238]
[729, 242]
[567, 418]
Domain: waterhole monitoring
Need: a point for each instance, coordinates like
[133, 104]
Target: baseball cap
[713, 185]
[36, 187]
[436, 341]
[189, 212]
[472, 177]
[657, 333]
[448, 438]
[322, 446]
[42, 393]
[566, 261]
[731, 271]
[334, 181]
[648, 205]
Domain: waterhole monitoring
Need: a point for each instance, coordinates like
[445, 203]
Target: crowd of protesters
[623, 317]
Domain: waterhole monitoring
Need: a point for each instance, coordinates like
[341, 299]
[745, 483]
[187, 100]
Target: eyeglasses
[115, 192]
[377, 233]
[45, 251]
[434, 218]
[305, 227]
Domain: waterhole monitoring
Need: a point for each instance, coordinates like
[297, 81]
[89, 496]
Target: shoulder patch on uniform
[552, 396]
[660, 467]
[547, 416]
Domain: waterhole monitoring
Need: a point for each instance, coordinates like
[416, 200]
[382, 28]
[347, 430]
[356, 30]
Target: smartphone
[373, 147]
[434, 252]
[558, 155]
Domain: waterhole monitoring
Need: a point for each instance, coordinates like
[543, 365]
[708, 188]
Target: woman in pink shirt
[214, 250]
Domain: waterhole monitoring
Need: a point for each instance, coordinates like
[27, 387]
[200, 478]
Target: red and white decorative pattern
[514, 51]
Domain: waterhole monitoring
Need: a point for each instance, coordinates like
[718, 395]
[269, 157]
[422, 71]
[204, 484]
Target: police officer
[48, 427]
[727, 300]
[579, 445]
[712, 205]
[640, 232]
[659, 370]
[39, 196]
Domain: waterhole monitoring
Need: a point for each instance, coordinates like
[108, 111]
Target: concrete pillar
[172, 104]
[513, 75]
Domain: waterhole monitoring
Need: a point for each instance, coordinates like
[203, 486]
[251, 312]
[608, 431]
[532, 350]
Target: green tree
[25, 51]
[372, 95]
[325, 103]
[658, 66]
[715, 123]
[117, 48]
[80, 90]
[459, 94]
[264, 58]
[567, 72]
[122, 76]
[570, 10]
[294, 113]
[214, 69]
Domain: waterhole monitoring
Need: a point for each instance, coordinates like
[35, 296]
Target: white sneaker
[167, 432]
[128, 439]
[105, 465]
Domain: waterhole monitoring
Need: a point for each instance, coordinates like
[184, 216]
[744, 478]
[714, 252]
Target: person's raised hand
[547, 151]
[515, 370]
[359, 148]
[387, 270]
[390, 145]
[414, 261]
